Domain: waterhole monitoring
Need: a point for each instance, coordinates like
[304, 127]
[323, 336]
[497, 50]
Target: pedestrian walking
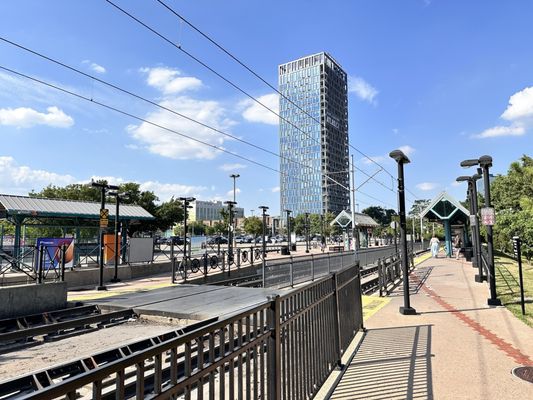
[457, 243]
[434, 245]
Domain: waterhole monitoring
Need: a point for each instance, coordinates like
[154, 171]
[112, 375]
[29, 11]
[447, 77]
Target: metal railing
[284, 348]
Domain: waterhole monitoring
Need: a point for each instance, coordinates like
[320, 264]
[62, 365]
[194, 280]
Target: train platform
[455, 347]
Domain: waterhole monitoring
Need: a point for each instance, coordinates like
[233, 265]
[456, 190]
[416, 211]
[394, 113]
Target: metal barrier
[284, 348]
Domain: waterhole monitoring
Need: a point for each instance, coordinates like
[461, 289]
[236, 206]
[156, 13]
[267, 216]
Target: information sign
[488, 216]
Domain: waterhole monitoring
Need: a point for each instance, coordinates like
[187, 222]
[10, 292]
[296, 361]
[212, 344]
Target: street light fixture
[118, 197]
[264, 208]
[402, 159]
[230, 204]
[306, 232]
[234, 176]
[485, 162]
[104, 187]
[186, 202]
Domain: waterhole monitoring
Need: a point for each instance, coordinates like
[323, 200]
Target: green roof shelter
[448, 211]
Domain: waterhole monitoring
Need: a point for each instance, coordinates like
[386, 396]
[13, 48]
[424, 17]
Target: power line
[130, 93]
[229, 82]
[241, 63]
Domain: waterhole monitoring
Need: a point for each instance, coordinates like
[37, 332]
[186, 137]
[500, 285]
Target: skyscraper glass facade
[313, 135]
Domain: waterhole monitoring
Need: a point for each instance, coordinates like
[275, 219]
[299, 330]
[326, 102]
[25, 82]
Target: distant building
[314, 104]
[210, 211]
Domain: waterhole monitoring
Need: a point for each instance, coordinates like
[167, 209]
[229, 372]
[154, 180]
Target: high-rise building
[210, 211]
[314, 132]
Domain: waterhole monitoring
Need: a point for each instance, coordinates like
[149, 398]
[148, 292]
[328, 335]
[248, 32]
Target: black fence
[283, 348]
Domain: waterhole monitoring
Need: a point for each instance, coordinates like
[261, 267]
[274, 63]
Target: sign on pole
[473, 220]
[104, 217]
[488, 216]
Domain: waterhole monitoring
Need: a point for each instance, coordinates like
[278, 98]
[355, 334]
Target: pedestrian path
[456, 347]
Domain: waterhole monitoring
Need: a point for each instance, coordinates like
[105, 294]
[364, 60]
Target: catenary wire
[235, 86]
[130, 93]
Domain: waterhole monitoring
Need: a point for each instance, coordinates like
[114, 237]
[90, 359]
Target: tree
[253, 226]
[419, 206]
[380, 215]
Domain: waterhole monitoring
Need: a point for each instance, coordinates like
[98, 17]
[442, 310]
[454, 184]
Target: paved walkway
[456, 347]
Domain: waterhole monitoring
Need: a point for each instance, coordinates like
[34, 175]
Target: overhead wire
[234, 85]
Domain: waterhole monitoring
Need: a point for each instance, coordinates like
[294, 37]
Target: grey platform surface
[188, 301]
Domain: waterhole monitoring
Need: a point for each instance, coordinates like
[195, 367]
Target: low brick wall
[32, 299]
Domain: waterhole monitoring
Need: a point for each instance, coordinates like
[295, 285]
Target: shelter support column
[124, 239]
[448, 237]
[16, 242]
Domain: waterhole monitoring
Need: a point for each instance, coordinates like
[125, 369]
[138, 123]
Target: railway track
[58, 324]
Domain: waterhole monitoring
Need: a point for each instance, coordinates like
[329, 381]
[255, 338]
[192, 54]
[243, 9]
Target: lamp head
[399, 157]
[464, 179]
[475, 177]
[469, 163]
[485, 161]
[234, 176]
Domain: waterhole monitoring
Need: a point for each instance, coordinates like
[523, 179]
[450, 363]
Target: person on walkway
[457, 243]
[434, 245]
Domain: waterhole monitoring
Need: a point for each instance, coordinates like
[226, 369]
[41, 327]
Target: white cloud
[25, 117]
[172, 145]
[455, 183]
[230, 193]
[255, 112]
[407, 150]
[513, 130]
[275, 189]
[373, 159]
[170, 81]
[165, 191]
[94, 67]
[21, 179]
[520, 105]
[231, 167]
[426, 186]
[364, 90]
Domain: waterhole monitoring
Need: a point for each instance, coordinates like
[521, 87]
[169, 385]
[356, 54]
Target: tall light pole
[186, 202]
[234, 177]
[264, 208]
[289, 229]
[485, 162]
[104, 187]
[118, 197]
[230, 204]
[306, 232]
[402, 159]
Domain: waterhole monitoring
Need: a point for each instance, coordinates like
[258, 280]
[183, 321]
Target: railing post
[251, 257]
[41, 262]
[185, 263]
[173, 263]
[380, 278]
[223, 260]
[312, 268]
[291, 272]
[274, 348]
[336, 321]
[329, 264]
[238, 258]
[63, 254]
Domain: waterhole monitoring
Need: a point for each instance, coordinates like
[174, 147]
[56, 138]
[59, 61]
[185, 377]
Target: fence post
[173, 262]
[63, 254]
[291, 272]
[251, 257]
[223, 260]
[312, 268]
[380, 278]
[336, 321]
[41, 262]
[238, 258]
[274, 348]
[329, 264]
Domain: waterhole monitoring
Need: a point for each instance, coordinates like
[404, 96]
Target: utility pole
[186, 205]
[289, 229]
[234, 176]
[307, 232]
[230, 204]
[355, 229]
[264, 208]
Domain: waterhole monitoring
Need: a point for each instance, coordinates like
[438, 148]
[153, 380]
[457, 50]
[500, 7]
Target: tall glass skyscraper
[313, 134]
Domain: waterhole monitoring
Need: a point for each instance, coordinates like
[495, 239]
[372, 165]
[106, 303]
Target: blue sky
[444, 80]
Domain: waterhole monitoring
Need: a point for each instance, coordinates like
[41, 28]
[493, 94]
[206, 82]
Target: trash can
[293, 246]
[284, 250]
[468, 253]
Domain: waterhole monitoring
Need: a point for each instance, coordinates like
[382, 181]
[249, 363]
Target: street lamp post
[402, 159]
[289, 228]
[485, 162]
[264, 208]
[307, 232]
[186, 202]
[118, 197]
[104, 187]
[234, 176]
[230, 204]
[474, 222]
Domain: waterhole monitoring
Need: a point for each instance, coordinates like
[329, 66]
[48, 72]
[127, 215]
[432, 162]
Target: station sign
[104, 217]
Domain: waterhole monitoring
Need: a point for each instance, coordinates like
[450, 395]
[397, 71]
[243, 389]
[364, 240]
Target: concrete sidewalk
[456, 347]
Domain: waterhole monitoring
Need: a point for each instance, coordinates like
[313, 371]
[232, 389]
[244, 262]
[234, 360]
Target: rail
[283, 348]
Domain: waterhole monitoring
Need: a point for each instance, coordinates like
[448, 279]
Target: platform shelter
[362, 223]
[448, 211]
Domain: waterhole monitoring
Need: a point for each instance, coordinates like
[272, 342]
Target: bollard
[63, 254]
[173, 262]
[41, 262]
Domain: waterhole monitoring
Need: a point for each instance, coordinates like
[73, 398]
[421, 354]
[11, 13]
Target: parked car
[239, 239]
[300, 238]
[176, 240]
[217, 240]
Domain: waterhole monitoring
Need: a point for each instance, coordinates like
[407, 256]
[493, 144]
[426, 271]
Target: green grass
[508, 288]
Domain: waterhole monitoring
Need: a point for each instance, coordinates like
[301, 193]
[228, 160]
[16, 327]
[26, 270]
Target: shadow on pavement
[391, 363]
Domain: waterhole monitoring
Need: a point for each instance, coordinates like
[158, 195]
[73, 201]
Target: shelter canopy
[21, 207]
[445, 208]
[345, 219]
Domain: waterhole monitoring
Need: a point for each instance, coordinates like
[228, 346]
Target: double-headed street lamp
[118, 197]
[186, 205]
[485, 162]
[474, 222]
[264, 208]
[104, 187]
[402, 159]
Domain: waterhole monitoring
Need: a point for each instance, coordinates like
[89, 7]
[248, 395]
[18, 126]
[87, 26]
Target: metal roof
[444, 207]
[345, 218]
[25, 206]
